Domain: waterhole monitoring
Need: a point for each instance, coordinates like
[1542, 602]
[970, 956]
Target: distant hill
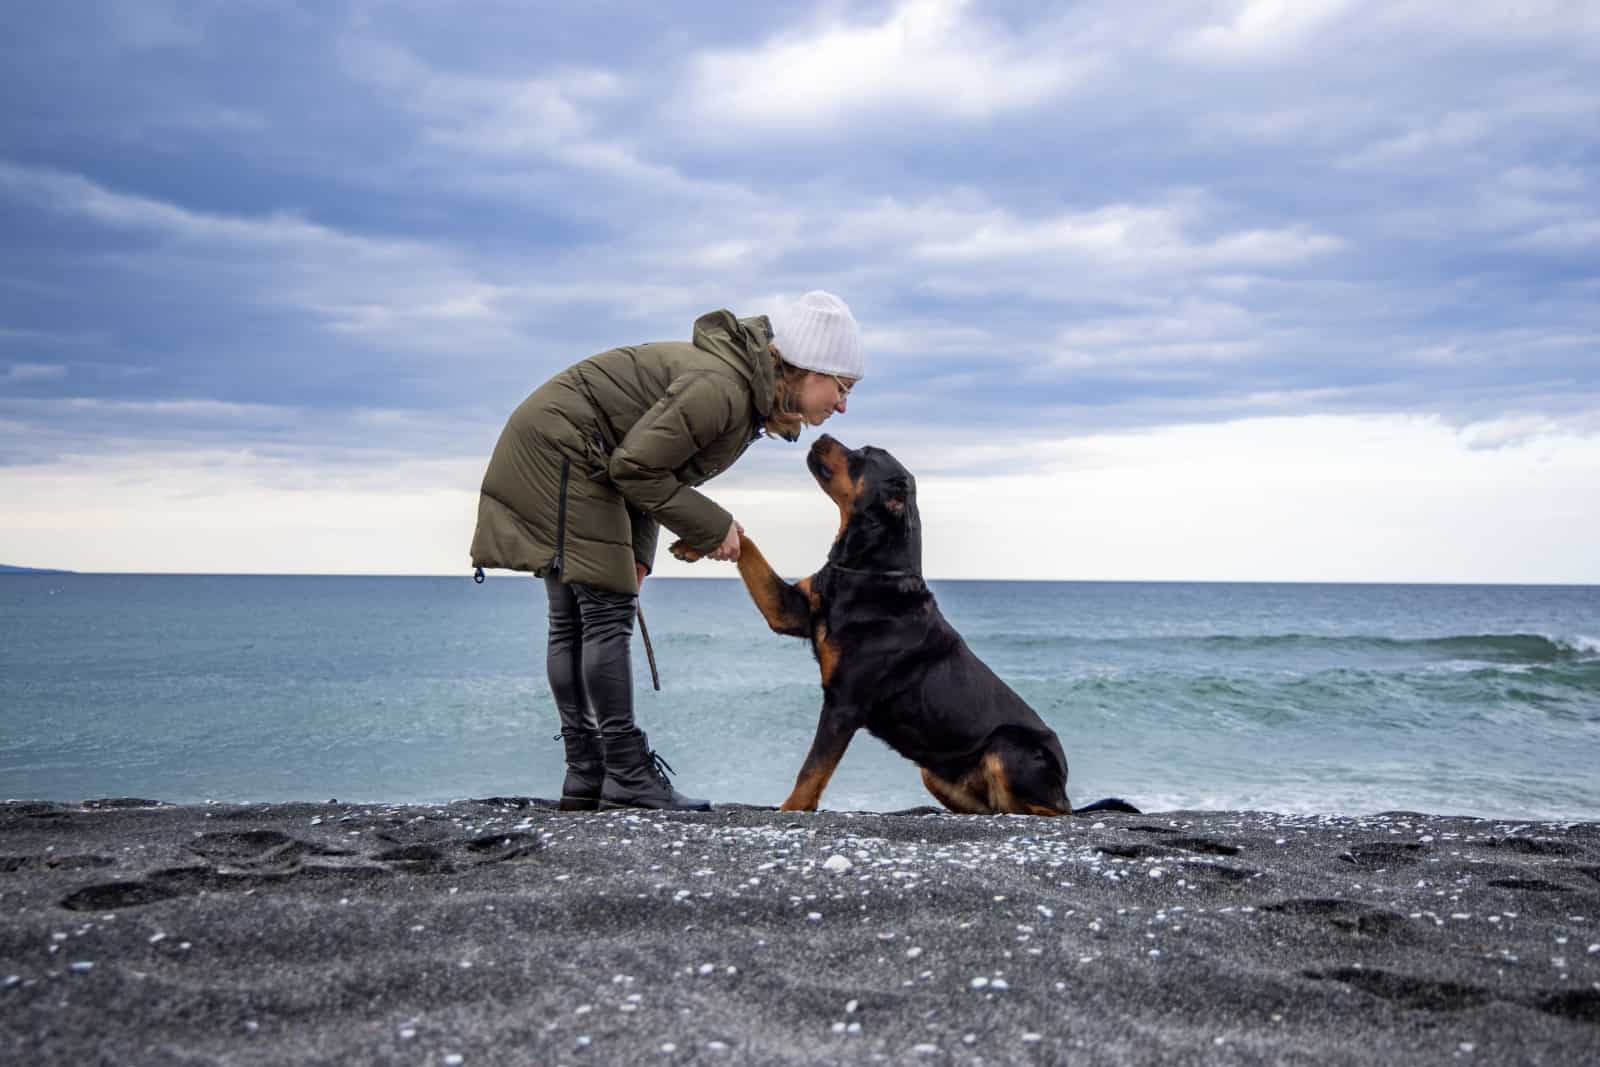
[7, 569]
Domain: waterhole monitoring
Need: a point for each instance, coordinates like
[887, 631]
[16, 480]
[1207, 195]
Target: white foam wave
[1582, 644]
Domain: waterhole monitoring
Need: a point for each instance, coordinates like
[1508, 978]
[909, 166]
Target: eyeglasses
[844, 389]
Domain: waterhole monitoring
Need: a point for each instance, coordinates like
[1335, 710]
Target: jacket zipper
[561, 515]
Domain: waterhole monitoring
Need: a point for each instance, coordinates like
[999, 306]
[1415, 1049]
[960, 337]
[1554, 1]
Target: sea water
[1480, 700]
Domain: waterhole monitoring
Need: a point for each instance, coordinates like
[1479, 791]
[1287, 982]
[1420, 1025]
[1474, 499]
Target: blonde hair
[785, 420]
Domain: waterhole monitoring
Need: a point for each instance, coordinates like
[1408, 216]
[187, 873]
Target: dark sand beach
[501, 931]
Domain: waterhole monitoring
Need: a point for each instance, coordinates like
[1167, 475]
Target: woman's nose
[839, 407]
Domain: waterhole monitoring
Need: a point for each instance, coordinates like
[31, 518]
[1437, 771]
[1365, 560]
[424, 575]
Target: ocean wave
[1506, 648]
[1490, 648]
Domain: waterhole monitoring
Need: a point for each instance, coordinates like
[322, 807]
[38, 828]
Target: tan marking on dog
[986, 790]
[764, 586]
[827, 652]
[955, 796]
[997, 783]
[807, 792]
[840, 489]
[847, 506]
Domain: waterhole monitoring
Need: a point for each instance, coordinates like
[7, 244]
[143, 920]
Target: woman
[601, 456]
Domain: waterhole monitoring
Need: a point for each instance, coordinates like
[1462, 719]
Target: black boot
[637, 778]
[586, 770]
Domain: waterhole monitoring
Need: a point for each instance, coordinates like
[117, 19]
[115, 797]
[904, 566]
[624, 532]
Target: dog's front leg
[834, 731]
[786, 609]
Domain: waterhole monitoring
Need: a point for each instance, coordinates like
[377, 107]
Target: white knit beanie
[818, 333]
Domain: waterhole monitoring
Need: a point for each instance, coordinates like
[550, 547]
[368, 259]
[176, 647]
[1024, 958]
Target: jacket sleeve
[695, 412]
[645, 532]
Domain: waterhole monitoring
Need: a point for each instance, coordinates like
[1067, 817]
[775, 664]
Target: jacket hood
[741, 344]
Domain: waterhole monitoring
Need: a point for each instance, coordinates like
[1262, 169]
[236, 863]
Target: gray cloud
[1087, 219]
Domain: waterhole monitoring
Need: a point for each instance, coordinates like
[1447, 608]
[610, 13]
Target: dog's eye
[896, 504]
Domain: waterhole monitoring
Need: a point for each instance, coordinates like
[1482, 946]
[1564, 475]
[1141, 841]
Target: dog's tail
[1108, 804]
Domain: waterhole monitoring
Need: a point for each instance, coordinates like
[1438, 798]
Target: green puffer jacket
[589, 465]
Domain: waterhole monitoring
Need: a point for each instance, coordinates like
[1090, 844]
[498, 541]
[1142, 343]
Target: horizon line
[1508, 583]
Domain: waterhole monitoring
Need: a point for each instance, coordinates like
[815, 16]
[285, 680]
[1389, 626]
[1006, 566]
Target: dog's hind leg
[1021, 780]
[959, 797]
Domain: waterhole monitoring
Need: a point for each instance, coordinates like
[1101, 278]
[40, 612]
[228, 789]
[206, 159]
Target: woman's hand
[728, 551]
[640, 570]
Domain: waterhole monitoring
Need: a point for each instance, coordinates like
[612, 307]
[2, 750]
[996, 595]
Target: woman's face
[821, 395]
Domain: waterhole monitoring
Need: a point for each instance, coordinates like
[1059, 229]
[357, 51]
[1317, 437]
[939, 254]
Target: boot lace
[661, 767]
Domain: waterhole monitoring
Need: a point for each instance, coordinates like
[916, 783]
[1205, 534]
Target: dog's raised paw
[680, 550]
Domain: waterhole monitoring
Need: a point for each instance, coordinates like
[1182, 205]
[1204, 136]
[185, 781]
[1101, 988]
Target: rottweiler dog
[892, 664]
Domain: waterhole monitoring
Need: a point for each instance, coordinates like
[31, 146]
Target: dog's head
[879, 528]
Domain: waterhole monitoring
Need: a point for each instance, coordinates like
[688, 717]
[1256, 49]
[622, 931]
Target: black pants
[591, 672]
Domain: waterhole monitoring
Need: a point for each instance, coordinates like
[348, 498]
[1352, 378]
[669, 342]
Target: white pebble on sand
[83, 966]
[851, 1007]
[999, 983]
[1032, 1038]
[979, 982]
[717, 1046]
[837, 1028]
[838, 864]
[913, 952]
[707, 968]
[669, 1048]
[925, 1050]
[453, 1059]
[407, 1034]
[814, 917]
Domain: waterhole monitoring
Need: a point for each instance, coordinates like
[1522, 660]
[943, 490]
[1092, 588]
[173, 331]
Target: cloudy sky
[1300, 290]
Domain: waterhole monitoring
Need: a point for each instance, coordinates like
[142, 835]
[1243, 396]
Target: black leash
[649, 653]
